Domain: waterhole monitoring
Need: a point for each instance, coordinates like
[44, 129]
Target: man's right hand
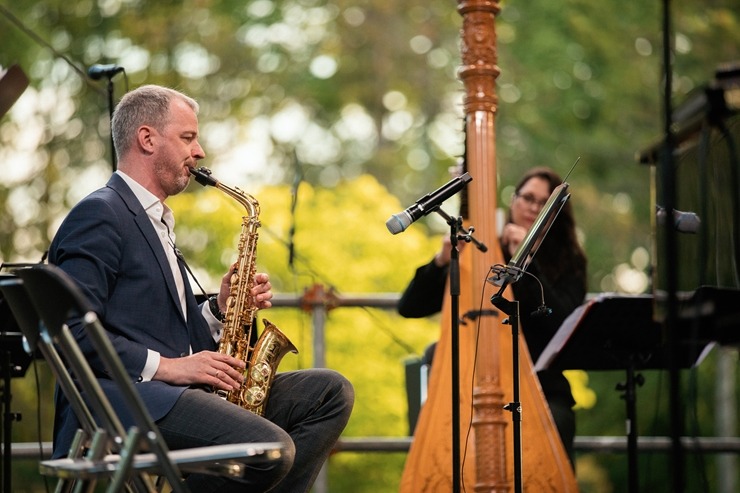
[220, 371]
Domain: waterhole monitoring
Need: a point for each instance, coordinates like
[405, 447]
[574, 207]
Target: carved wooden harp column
[478, 73]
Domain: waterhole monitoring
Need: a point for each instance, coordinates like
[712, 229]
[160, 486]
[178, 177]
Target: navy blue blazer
[108, 245]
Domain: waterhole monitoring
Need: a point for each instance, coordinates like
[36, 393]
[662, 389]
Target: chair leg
[75, 451]
[139, 482]
[162, 485]
[64, 485]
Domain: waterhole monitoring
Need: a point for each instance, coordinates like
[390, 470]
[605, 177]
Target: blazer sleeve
[425, 293]
[89, 247]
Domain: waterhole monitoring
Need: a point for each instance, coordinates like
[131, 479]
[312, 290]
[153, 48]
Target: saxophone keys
[260, 372]
[254, 396]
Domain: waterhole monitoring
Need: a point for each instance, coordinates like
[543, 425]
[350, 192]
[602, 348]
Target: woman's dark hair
[560, 252]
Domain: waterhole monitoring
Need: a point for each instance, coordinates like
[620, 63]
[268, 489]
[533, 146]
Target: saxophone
[272, 344]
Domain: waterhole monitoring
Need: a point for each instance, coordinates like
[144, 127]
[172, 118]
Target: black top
[425, 294]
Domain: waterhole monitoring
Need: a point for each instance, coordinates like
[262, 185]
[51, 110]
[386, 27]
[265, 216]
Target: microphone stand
[511, 308]
[98, 72]
[110, 119]
[455, 226]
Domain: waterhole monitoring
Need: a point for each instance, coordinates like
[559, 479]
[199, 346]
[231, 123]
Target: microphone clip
[468, 237]
[542, 311]
[504, 273]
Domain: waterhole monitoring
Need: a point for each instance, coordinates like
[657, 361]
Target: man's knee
[342, 390]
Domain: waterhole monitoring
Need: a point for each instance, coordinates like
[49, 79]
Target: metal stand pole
[630, 398]
[511, 308]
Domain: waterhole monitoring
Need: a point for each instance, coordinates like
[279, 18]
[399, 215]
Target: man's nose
[198, 152]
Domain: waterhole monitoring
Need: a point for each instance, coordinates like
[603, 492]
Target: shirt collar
[155, 208]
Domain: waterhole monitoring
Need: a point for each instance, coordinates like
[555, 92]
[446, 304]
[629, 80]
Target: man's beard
[171, 179]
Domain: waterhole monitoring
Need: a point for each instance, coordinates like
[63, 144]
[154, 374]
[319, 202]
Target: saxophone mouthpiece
[203, 176]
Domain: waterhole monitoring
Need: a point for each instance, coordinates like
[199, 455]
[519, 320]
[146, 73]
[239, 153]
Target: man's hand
[220, 371]
[261, 291]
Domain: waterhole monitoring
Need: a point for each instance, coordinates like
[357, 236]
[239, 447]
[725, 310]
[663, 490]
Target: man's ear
[145, 138]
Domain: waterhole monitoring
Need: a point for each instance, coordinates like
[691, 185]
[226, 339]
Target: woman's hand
[444, 255]
[511, 237]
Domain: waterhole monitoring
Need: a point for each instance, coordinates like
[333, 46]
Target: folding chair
[102, 448]
[89, 432]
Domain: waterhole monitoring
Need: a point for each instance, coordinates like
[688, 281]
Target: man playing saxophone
[118, 243]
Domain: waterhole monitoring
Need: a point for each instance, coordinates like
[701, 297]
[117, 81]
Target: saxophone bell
[269, 350]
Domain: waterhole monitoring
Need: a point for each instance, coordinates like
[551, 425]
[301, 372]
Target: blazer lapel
[147, 230]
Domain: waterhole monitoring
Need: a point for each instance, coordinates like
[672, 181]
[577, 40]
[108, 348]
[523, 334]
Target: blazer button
[182, 355]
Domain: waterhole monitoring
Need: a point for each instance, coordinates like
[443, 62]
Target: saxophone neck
[203, 176]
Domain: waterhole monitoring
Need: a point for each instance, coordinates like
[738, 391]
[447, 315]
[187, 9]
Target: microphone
[399, 222]
[683, 222]
[99, 71]
[541, 311]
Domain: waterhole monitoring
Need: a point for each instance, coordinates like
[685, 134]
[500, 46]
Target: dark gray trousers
[307, 410]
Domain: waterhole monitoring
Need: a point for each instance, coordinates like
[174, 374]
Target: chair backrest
[56, 298]
[29, 324]
[28, 321]
[54, 306]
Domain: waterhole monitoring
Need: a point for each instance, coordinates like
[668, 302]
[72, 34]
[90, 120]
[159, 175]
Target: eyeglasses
[531, 200]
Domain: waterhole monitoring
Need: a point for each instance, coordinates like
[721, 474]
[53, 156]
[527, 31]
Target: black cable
[500, 269]
[297, 179]
[17, 22]
[475, 316]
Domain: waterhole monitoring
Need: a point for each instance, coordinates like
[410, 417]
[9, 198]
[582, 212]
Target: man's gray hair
[146, 105]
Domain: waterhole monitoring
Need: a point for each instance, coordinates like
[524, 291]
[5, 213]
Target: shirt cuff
[150, 367]
[214, 324]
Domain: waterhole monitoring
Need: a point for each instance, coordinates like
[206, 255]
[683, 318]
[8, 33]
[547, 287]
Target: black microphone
[399, 222]
[542, 311]
[99, 71]
[683, 222]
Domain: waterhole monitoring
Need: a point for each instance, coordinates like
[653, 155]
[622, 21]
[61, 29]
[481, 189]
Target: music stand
[512, 272]
[14, 362]
[13, 82]
[618, 332]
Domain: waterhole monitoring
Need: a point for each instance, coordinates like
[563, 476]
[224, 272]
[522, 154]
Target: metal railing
[596, 444]
[599, 444]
